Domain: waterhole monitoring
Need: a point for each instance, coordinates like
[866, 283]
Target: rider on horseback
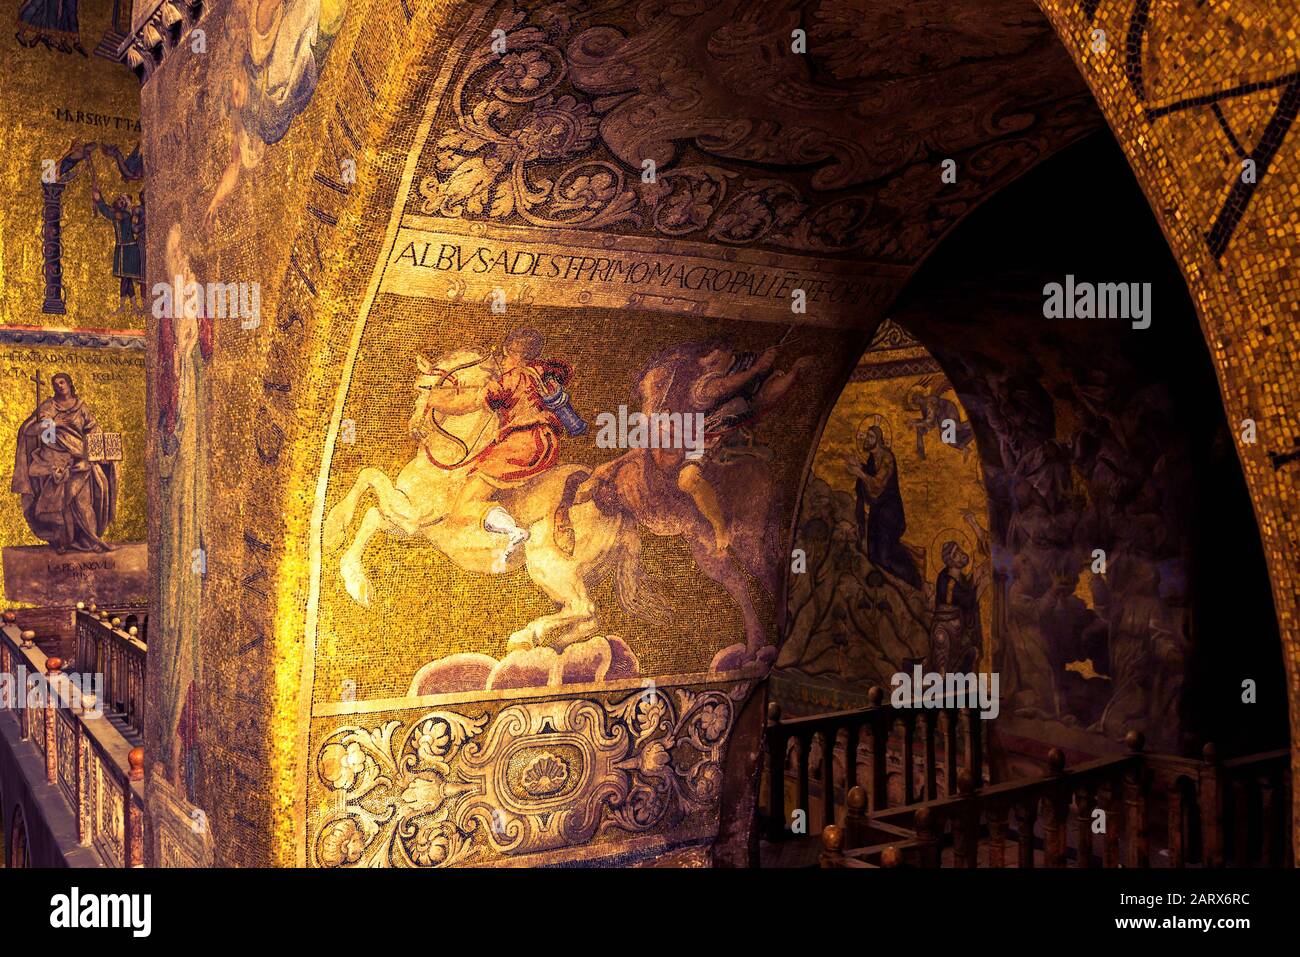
[732, 390]
[532, 411]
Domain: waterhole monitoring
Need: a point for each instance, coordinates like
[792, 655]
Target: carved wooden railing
[121, 617]
[107, 645]
[1218, 813]
[1208, 804]
[97, 771]
[911, 735]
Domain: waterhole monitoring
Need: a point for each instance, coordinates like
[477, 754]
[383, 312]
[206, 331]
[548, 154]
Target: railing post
[855, 817]
[997, 817]
[1055, 823]
[929, 851]
[803, 751]
[965, 826]
[1026, 816]
[974, 747]
[1052, 833]
[909, 757]
[1083, 805]
[26, 639]
[8, 618]
[950, 752]
[1176, 828]
[931, 719]
[114, 665]
[1113, 808]
[832, 847]
[133, 839]
[851, 757]
[880, 724]
[83, 786]
[830, 738]
[775, 773]
[1135, 800]
[52, 666]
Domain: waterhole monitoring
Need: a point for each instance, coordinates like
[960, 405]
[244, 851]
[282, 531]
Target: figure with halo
[881, 521]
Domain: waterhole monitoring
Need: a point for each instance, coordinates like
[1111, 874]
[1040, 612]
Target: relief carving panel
[460, 785]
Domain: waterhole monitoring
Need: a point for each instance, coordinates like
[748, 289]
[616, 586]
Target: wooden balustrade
[1225, 812]
[106, 647]
[872, 734]
[1238, 808]
[870, 843]
[95, 768]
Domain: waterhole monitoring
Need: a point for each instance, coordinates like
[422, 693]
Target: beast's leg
[473, 513]
[563, 524]
[755, 535]
[561, 577]
[691, 480]
[351, 568]
[393, 514]
[725, 572]
[345, 509]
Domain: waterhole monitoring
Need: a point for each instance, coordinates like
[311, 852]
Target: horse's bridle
[433, 417]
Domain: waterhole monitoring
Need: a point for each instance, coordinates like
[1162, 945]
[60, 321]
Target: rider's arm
[730, 384]
[453, 400]
[654, 389]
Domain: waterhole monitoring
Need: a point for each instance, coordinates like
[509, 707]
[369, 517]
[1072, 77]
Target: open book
[104, 447]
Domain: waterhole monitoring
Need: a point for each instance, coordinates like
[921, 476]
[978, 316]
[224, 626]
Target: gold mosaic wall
[940, 485]
[274, 647]
[1203, 98]
[286, 703]
[71, 125]
[58, 101]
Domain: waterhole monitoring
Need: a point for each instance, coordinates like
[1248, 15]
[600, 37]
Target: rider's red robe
[527, 442]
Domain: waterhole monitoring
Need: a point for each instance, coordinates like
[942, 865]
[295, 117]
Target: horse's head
[463, 369]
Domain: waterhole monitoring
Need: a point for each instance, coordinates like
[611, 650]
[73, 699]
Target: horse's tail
[639, 595]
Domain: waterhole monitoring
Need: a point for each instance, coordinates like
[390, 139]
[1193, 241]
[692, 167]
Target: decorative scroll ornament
[539, 776]
[679, 119]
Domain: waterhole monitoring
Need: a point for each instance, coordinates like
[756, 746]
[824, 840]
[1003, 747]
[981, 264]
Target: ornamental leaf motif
[431, 795]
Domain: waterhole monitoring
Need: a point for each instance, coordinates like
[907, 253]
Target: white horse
[416, 506]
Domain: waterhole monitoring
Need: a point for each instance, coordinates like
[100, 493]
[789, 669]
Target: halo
[868, 420]
[934, 554]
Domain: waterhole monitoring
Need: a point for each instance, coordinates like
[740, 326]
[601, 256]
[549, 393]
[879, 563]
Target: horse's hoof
[519, 642]
[332, 534]
[359, 590]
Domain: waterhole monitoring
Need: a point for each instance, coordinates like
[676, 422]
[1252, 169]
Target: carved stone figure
[68, 491]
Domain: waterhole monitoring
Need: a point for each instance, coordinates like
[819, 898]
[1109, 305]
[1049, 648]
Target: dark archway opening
[18, 855]
[1128, 585]
[1097, 435]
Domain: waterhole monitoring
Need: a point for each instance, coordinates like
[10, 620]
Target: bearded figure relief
[64, 476]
